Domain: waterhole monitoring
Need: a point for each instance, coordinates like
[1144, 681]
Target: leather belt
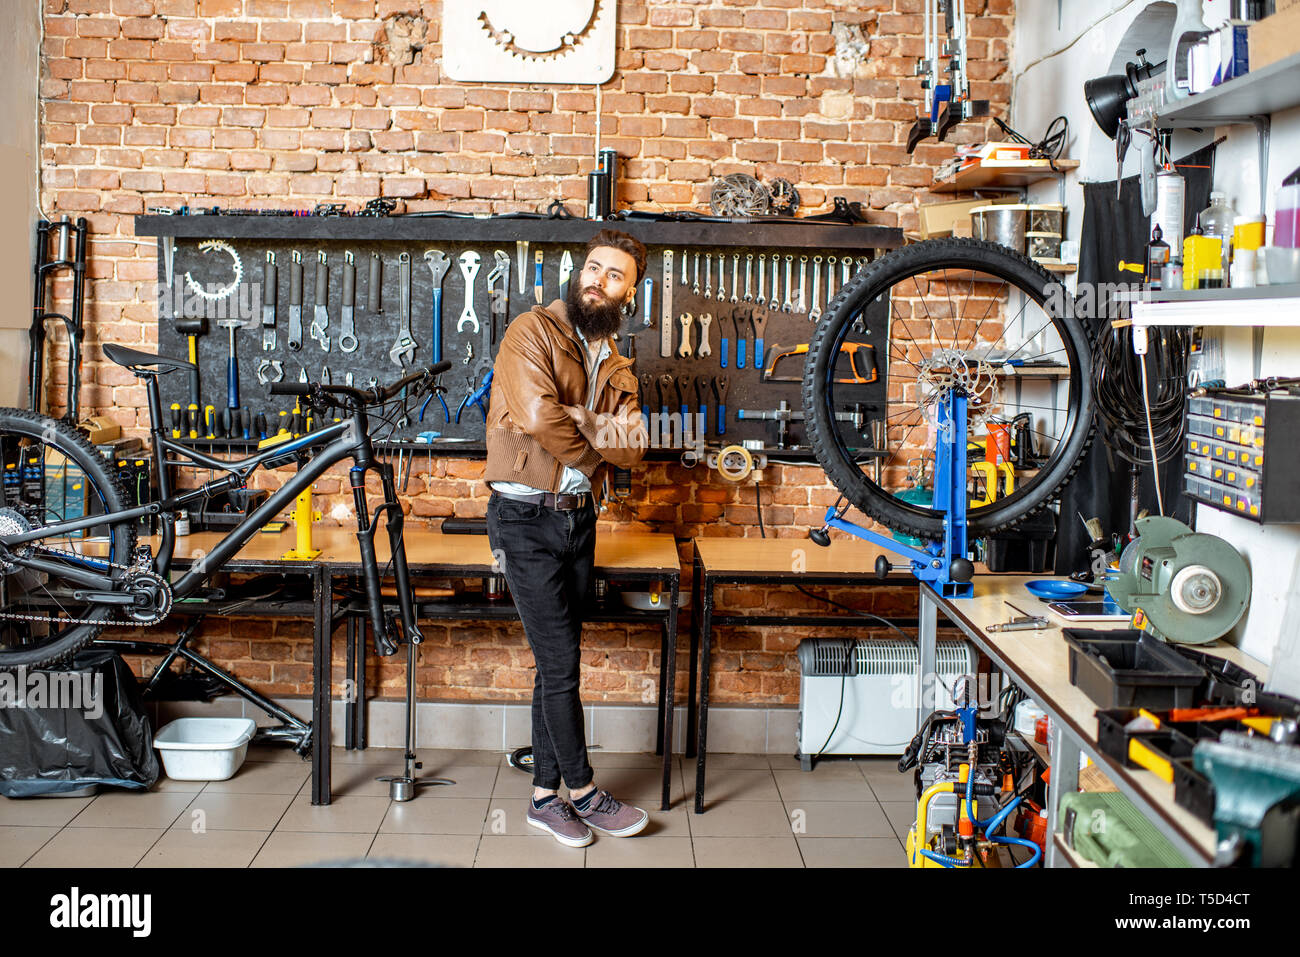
[561, 503]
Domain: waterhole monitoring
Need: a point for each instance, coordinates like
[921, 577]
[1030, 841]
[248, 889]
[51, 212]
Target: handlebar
[360, 397]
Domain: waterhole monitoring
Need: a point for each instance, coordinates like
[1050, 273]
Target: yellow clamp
[303, 516]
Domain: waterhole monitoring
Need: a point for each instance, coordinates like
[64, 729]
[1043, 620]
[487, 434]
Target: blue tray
[1054, 589]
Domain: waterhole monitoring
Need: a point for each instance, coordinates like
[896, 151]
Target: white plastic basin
[204, 749]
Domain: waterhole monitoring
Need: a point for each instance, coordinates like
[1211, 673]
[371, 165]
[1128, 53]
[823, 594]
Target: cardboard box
[1277, 37]
[100, 429]
[953, 218]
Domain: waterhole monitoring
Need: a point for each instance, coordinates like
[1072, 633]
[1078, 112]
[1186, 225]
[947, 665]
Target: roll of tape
[735, 463]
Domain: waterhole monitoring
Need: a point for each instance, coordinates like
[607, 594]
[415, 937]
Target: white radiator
[877, 678]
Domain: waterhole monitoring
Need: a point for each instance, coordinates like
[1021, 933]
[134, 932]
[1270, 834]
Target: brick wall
[287, 103]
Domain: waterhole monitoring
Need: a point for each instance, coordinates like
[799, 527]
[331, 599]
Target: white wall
[1050, 65]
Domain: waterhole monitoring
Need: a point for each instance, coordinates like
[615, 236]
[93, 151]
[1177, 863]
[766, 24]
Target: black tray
[1129, 669]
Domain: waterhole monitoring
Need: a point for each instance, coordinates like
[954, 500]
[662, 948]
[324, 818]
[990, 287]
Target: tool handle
[372, 288]
[722, 419]
[270, 280]
[726, 347]
[758, 353]
[704, 421]
[537, 276]
[295, 284]
[194, 385]
[437, 325]
[349, 284]
[740, 353]
[232, 382]
[322, 283]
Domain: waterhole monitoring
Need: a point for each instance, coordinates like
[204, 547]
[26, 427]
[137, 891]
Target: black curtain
[1115, 229]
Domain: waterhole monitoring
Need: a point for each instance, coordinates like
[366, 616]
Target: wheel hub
[952, 370]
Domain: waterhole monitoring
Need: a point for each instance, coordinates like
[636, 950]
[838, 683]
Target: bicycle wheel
[942, 314]
[52, 474]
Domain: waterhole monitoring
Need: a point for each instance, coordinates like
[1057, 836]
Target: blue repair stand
[936, 562]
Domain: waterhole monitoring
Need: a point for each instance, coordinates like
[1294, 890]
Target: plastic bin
[1129, 669]
[204, 749]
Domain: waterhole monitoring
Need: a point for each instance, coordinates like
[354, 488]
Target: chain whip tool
[270, 279]
[320, 323]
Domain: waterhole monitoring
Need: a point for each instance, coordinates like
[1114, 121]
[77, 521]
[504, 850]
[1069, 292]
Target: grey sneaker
[558, 817]
[607, 813]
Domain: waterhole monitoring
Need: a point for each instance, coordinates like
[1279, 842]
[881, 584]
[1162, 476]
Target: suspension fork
[367, 525]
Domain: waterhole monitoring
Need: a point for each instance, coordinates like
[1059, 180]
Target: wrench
[295, 302]
[695, 290]
[403, 349]
[667, 275]
[498, 298]
[726, 342]
[685, 349]
[469, 269]
[705, 349]
[749, 269]
[666, 305]
[647, 295]
[830, 278]
[702, 384]
[521, 257]
[720, 391]
[815, 312]
[722, 272]
[665, 423]
[776, 296]
[803, 284]
[759, 297]
[735, 278]
[321, 322]
[684, 403]
[787, 306]
[266, 367]
[708, 276]
[438, 266]
[348, 338]
[269, 280]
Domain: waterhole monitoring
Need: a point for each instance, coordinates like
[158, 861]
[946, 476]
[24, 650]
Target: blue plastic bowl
[1054, 589]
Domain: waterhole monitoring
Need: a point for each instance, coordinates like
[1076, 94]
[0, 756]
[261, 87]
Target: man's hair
[621, 241]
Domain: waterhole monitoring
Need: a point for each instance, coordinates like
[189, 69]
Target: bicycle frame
[349, 439]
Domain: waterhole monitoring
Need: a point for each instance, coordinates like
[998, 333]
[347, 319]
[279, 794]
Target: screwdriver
[261, 425]
[192, 414]
[210, 421]
[176, 420]
[246, 422]
[284, 423]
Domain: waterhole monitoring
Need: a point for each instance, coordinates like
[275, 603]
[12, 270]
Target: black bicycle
[70, 564]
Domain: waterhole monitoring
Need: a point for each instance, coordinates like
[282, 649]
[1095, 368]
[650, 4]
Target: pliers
[477, 396]
[437, 391]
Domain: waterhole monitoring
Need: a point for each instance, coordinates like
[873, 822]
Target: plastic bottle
[1217, 219]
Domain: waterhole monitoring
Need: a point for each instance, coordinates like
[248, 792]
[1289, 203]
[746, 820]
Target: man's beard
[594, 318]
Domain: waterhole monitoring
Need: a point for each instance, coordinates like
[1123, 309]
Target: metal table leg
[322, 645]
[667, 692]
[706, 638]
[927, 646]
[691, 711]
[1065, 780]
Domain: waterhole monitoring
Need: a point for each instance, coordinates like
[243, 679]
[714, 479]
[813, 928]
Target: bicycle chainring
[152, 594]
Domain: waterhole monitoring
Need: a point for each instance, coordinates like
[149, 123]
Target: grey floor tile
[360, 779]
[725, 787]
[890, 787]
[371, 756]
[742, 819]
[19, 843]
[624, 759]
[641, 851]
[165, 783]
[222, 811]
[304, 849]
[432, 850]
[641, 786]
[852, 852]
[734, 762]
[447, 816]
[213, 848]
[747, 852]
[838, 819]
[265, 777]
[361, 814]
[280, 753]
[41, 812]
[823, 768]
[472, 781]
[796, 787]
[134, 809]
[96, 847]
[902, 815]
[508, 851]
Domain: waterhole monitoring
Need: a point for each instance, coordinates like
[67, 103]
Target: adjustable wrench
[787, 305]
[498, 299]
[815, 312]
[666, 305]
[438, 266]
[749, 269]
[722, 272]
[348, 337]
[469, 269]
[270, 277]
[735, 277]
[684, 350]
[776, 295]
[295, 302]
[404, 348]
[705, 349]
[321, 322]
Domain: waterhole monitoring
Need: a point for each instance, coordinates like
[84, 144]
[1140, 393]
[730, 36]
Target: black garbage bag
[63, 729]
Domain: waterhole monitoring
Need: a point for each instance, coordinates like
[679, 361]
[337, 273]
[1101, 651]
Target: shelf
[1003, 174]
[1254, 306]
[1259, 93]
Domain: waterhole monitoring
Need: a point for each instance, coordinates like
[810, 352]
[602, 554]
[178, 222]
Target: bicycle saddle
[134, 359]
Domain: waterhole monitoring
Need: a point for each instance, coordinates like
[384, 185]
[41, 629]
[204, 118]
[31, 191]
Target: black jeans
[547, 556]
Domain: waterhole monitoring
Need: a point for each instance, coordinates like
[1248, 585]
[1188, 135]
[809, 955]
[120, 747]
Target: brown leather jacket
[540, 369]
